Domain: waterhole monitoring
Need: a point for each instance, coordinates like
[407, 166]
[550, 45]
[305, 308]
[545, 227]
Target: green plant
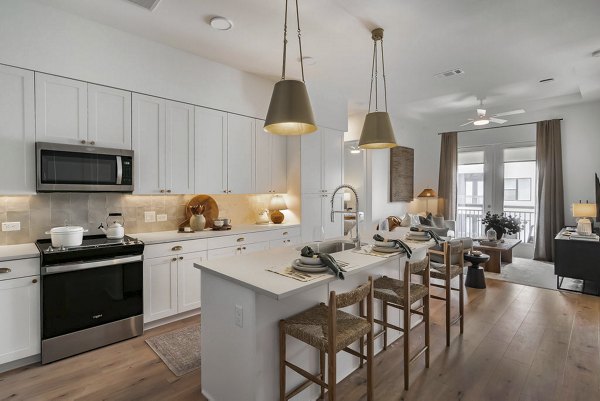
[501, 223]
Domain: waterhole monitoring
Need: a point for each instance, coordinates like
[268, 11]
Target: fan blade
[509, 113]
[462, 125]
[497, 120]
[481, 112]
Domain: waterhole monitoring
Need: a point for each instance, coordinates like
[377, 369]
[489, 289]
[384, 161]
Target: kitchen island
[242, 303]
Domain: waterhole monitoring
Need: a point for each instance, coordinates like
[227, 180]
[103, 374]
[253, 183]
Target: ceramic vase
[197, 222]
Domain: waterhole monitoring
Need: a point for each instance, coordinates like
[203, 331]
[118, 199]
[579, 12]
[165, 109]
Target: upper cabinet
[322, 161]
[17, 131]
[270, 161]
[75, 112]
[109, 117]
[240, 154]
[180, 148]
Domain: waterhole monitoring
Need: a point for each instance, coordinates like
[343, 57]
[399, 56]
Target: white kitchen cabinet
[210, 151]
[281, 243]
[17, 131]
[60, 109]
[163, 142]
[322, 161]
[240, 154]
[270, 161]
[241, 249]
[20, 316]
[188, 281]
[160, 288]
[316, 217]
[109, 117]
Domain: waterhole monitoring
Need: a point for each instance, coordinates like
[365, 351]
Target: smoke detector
[149, 5]
[221, 23]
[450, 73]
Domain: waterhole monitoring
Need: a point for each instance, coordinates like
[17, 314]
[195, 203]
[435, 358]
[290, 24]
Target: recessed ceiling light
[544, 81]
[596, 53]
[221, 23]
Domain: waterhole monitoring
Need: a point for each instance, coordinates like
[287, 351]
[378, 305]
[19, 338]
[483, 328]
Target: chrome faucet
[356, 213]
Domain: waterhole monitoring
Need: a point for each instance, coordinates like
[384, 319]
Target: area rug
[179, 349]
[527, 272]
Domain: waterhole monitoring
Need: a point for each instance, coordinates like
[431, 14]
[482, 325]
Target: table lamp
[275, 206]
[586, 212]
[427, 193]
[347, 198]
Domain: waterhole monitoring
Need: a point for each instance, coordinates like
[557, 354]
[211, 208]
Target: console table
[576, 259]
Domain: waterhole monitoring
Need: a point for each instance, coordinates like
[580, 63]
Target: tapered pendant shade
[290, 112]
[377, 132]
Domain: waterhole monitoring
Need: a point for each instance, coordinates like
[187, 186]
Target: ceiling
[505, 47]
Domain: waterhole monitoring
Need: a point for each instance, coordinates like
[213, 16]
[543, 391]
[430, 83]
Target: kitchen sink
[330, 246]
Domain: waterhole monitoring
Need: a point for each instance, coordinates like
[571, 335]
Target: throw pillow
[427, 221]
[439, 221]
[405, 220]
[414, 219]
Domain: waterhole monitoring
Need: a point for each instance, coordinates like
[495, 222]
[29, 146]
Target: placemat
[289, 271]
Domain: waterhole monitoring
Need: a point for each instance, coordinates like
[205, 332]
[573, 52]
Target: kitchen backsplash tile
[38, 213]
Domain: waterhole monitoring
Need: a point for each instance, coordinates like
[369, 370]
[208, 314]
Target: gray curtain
[550, 201]
[447, 177]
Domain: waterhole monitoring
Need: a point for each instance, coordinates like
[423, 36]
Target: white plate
[296, 264]
[418, 238]
[385, 249]
[382, 244]
[311, 261]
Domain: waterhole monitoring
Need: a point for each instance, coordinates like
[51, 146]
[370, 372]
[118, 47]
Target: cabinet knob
[92, 142]
[83, 141]
[34, 280]
[168, 191]
[177, 248]
[224, 191]
[5, 270]
[162, 191]
[181, 258]
[239, 249]
[174, 260]
[243, 247]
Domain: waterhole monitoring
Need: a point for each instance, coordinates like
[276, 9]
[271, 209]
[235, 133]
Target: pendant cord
[284, 41]
[299, 40]
[372, 75]
[376, 82]
[383, 73]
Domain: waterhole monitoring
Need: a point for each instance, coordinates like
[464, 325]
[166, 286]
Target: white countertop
[250, 270]
[172, 236]
[21, 251]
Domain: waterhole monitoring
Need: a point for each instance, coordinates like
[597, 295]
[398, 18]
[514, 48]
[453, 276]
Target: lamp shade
[427, 193]
[584, 210]
[347, 196]
[377, 132]
[277, 203]
[290, 112]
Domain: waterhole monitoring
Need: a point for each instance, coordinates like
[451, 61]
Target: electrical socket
[239, 316]
[11, 226]
[161, 217]
[150, 217]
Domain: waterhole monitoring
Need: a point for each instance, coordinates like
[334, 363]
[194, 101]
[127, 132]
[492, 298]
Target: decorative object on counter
[263, 217]
[377, 132]
[197, 220]
[114, 229]
[277, 204]
[427, 194]
[210, 210]
[586, 212]
[290, 112]
[399, 244]
[63, 237]
[501, 224]
[327, 259]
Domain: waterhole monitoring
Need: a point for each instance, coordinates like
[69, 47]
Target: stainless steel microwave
[77, 168]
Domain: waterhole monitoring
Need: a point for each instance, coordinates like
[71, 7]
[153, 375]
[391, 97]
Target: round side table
[475, 275]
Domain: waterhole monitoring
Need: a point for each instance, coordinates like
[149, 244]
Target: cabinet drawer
[239, 239]
[173, 248]
[280, 243]
[19, 268]
[284, 233]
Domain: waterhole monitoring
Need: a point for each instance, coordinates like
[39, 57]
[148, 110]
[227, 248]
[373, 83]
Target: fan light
[481, 121]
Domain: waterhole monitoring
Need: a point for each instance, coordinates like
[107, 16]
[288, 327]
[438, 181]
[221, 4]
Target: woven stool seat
[438, 270]
[392, 290]
[311, 327]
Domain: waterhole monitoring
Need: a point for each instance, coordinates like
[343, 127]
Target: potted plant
[501, 224]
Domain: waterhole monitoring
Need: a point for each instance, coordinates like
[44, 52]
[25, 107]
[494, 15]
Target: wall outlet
[239, 316]
[161, 217]
[11, 226]
[150, 217]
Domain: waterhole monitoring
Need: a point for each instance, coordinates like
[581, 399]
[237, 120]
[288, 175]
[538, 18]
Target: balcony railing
[468, 222]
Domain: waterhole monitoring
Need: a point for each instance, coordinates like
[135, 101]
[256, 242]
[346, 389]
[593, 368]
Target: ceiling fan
[482, 119]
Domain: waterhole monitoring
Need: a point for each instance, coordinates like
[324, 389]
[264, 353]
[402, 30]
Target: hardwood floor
[520, 343]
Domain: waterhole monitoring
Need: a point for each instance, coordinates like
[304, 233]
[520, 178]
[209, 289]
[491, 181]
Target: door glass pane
[470, 190]
[519, 187]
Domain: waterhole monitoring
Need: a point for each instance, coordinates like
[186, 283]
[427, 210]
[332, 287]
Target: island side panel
[228, 350]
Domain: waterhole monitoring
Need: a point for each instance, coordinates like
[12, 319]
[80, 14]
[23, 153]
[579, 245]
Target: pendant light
[290, 112]
[377, 132]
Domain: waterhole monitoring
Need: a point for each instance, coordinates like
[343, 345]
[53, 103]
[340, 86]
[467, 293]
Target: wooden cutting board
[211, 210]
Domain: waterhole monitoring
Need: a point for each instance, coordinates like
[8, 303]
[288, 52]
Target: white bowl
[311, 261]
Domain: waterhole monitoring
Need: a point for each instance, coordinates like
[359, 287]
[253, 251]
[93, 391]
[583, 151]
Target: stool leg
[331, 390]
[362, 339]
[281, 360]
[461, 305]
[448, 298]
[370, 352]
[406, 310]
[426, 317]
[322, 366]
[384, 312]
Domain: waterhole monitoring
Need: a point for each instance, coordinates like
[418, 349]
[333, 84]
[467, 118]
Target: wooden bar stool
[395, 293]
[452, 265]
[329, 330]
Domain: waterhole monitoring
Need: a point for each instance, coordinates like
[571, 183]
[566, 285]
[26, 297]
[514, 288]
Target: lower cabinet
[20, 318]
[241, 249]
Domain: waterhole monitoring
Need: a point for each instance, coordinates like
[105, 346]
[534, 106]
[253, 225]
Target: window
[517, 189]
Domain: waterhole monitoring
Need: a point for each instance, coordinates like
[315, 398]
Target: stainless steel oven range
[92, 295]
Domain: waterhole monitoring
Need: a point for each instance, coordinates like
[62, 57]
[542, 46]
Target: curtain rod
[502, 126]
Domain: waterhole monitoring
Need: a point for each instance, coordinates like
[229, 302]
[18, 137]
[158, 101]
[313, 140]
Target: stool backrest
[354, 296]
[420, 268]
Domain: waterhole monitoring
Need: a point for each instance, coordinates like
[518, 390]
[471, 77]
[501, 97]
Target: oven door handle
[69, 267]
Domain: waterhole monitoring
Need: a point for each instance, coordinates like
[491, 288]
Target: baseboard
[171, 319]
[20, 363]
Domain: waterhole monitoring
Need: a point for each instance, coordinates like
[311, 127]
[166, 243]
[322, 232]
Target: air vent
[449, 73]
[147, 4]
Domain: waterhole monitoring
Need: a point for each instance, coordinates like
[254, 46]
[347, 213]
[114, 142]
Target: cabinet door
[109, 117]
[263, 159]
[188, 277]
[160, 288]
[17, 131]
[210, 151]
[332, 145]
[240, 154]
[224, 252]
[148, 135]
[312, 221]
[20, 317]
[278, 163]
[336, 228]
[60, 109]
[180, 148]
[310, 156]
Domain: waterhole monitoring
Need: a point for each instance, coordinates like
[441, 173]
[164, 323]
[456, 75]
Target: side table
[475, 275]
